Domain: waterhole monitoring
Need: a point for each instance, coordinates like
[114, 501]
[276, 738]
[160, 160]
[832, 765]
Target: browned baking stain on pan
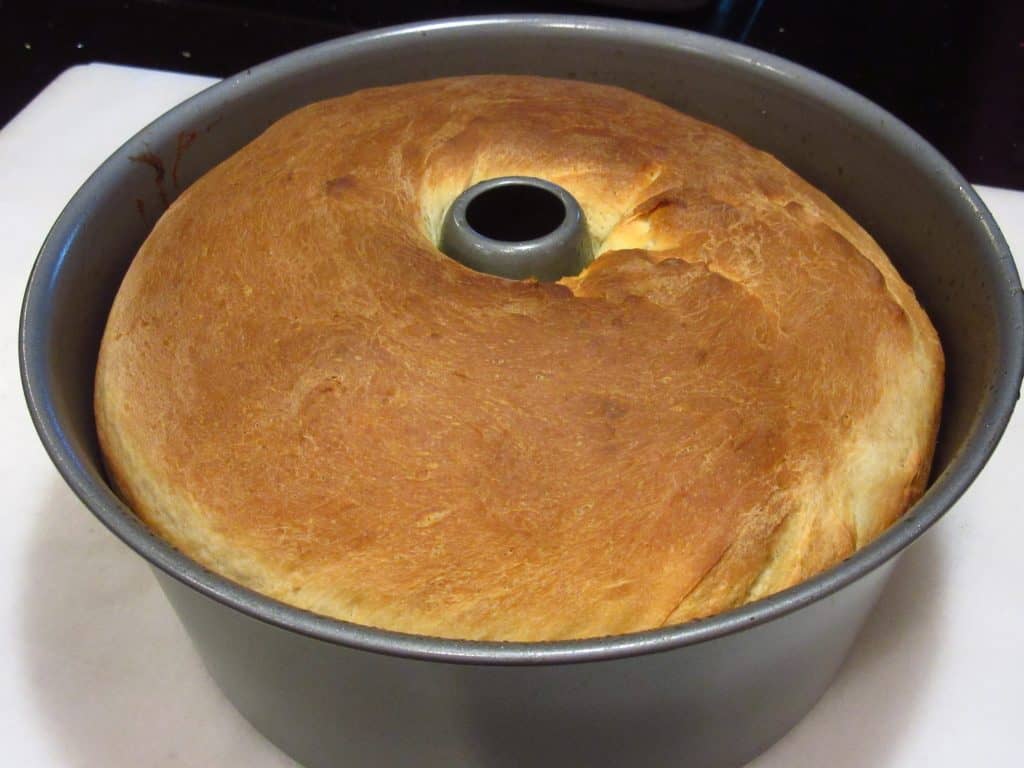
[159, 172]
[185, 139]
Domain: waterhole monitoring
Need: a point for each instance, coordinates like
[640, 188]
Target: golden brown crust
[297, 389]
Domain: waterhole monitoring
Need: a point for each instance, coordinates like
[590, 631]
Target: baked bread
[297, 389]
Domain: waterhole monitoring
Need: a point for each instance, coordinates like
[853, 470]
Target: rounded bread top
[300, 391]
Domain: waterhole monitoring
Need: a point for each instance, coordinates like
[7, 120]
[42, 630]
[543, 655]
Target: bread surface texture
[297, 389]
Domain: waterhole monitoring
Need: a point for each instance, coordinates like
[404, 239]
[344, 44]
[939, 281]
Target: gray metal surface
[503, 247]
[712, 705]
[717, 690]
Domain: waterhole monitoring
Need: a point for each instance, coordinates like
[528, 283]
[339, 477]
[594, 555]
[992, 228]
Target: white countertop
[96, 671]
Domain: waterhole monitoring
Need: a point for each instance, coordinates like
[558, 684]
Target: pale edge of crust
[887, 457]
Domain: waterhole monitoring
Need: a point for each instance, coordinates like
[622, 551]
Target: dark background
[953, 70]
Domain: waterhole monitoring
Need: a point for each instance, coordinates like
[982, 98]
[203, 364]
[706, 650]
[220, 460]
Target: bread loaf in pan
[300, 391]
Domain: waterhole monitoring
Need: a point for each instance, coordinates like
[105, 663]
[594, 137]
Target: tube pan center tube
[517, 227]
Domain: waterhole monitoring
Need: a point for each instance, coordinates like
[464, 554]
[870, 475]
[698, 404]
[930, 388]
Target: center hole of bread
[515, 212]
